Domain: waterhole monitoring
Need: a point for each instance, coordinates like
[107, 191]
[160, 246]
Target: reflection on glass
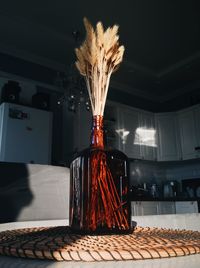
[123, 134]
[145, 136]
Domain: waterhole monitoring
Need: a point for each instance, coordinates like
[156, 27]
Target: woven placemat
[60, 244]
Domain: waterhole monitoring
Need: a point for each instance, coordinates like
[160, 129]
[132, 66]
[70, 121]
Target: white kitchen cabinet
[167, 137]
[197, 128]
[136, 133]
[150, 208]
[136, 208]
[144, 135]
[142, 208]
[147, 136]
[128, 123]
[188, 133]
[167, 207]
[81, 128]
[110, 126]
[186, 207]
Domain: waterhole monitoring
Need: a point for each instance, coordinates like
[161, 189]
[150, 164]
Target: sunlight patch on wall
[123, 134]
[145, 136]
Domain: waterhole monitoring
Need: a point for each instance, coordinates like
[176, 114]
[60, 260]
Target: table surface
[192, 261]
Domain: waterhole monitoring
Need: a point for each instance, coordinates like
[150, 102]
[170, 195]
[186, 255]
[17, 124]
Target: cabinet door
[188, 134]
[127, 132]
[110, 126]
[82, 128]
[136, 208]
[197, 125]
[186, 207]
[150, 208]
[147, 136]
[167, 207]
[167, 137]
[1, 131]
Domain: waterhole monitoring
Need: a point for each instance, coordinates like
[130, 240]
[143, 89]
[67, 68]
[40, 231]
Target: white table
[192, 261]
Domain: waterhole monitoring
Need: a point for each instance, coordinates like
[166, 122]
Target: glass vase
[99, 187]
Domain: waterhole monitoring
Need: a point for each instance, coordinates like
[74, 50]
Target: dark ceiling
[161, 38]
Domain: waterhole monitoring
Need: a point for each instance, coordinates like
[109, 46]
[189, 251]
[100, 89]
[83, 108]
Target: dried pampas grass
[97, 58]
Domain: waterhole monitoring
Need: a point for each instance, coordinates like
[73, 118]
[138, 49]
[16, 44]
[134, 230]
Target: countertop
[149, 198]
[192, 261]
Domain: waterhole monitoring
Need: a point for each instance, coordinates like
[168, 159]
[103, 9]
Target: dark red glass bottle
[99, 187]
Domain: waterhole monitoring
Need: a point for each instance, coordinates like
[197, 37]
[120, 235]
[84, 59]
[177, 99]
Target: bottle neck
[97, 133]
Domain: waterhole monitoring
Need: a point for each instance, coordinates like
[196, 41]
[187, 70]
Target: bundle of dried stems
[98, 57]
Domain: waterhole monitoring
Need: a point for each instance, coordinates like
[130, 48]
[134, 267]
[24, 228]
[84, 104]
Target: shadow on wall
[15, 193]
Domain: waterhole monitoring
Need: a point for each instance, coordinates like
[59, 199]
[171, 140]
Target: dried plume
[97, 58]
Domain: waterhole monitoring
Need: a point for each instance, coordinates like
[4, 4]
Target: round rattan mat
[60, 244]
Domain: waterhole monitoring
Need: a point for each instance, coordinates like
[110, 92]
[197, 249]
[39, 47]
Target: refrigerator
[25, 134]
